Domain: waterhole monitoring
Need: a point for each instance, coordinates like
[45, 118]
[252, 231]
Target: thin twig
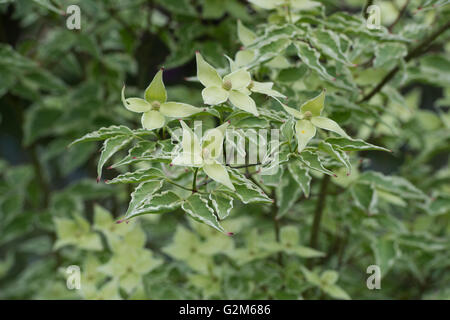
[368, 4]
[40, 176]
[318, 212]
[416, 52]
[400, 15]
[276, 225]
[194, 181]
[182, 187]
[244, 166]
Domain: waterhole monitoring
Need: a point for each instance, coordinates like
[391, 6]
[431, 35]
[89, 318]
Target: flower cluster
[235, 87]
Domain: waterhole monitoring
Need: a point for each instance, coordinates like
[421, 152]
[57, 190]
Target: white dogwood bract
[204, 153]
[309, 118]
[232, 87]
[154, 107]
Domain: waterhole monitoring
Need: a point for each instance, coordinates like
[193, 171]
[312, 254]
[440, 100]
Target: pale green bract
[309, 118]
[232, 87]
[204, 154]
[154, 107]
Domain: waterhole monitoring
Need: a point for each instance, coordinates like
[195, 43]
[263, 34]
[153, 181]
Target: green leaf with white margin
[142, 192]
[304, 131]
[137, 176]
[312, 161]
[287, 194]
[287, 129]
[142, 150]
[314, 105]
[337, 154]
[346, 144]
[110, 147]
[388, 54]
[178, 109]
[156, 90]
[391, 198]
[206, 74]
[328, 124]
[104, 133]
[246, 190]
[301, 176]
[271, 50]
[197, 208]
[329, 43]
[394, 184]
[365, 197]
[311, 57]
[222, 203]
[245, 35]
[386, 252]
[165, 201]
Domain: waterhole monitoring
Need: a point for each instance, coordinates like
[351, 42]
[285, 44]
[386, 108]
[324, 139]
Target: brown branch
[368, 4]
[276, 225]
[40, 176]
[318, 212]
[400, 15]
[416, 52]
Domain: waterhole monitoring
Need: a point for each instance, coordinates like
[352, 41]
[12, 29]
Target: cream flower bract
[154, 107]
[204, 153]
[232, 87]
[309, 118]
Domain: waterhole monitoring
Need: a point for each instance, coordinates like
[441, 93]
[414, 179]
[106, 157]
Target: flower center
[250, 85]
[205, 153]
[156, 105]
[227, 85]
[307, 115]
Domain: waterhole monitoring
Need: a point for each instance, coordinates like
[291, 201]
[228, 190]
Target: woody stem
[194, 181]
